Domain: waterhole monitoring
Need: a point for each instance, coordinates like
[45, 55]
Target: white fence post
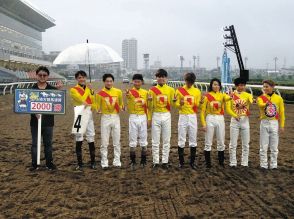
[176, 84]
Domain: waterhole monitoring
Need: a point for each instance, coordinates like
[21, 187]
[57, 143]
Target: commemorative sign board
[33, 101]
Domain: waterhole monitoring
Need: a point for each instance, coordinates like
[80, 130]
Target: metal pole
[181, 68]
[39, 139]
[89, 62]
[275, 59]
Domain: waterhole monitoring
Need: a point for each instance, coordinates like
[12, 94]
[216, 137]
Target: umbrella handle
[89, 63]
[90, 73]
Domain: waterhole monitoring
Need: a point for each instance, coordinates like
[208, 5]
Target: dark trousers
[47, 134]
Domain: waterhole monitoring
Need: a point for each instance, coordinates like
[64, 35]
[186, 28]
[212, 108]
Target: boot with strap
[181, 157]
[193, 157]
[79, 155]
[221, 158]
[143, 157]
[133, 158]
[92, 155]
[207, 159]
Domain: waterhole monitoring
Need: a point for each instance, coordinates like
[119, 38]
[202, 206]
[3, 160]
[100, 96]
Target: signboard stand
[39, 139]
[39, 102]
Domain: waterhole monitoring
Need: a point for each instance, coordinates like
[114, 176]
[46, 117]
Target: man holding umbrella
[83, 96]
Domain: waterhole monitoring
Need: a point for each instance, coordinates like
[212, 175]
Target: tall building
[129, 53]
[21, 27]
[226, 69]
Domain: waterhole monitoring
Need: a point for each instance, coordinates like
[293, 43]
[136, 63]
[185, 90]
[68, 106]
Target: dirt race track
[143, 193]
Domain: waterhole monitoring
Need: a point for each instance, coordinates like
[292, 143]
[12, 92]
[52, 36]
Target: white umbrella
[87, 53]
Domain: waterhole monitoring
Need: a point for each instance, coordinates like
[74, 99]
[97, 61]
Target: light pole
[276, 59]
[217, 62]
[182, 62]
[194, 64]
[146, 63]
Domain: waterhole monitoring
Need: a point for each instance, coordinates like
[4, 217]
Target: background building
[129, 54]
[21, 27]
[51, 56]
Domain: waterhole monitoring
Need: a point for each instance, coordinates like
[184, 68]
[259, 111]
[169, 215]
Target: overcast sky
[169, 28]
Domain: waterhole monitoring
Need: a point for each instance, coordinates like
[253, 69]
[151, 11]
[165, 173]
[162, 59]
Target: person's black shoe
[93, 166]
[51, 166]
[193, 166]
[117, 166]
[143, 163]
[133, 166]
[181, 166]
[105, 168]
[79, 168]
[34, 168]
[263, 169]
[155, 165]
[165, 166]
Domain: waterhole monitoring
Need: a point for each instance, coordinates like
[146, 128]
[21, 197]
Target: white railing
[10, 86]
[203, 86]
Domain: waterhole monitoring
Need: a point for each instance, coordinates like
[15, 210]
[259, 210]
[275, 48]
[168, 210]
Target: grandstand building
[21, 27]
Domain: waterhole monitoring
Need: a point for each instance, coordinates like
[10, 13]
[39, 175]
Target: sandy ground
[144, 193]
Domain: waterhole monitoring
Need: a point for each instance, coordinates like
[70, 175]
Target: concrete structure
[51, 56]
[21, 27]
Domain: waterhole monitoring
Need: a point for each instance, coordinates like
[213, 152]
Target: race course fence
[8, 88]
[204, 87]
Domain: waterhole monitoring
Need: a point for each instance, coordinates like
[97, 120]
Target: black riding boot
[207, 159]
[133, 157]
[181, 157]
[79, 154]
[192, 157]
[92, 155]
[221, 158]
[143, 157]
